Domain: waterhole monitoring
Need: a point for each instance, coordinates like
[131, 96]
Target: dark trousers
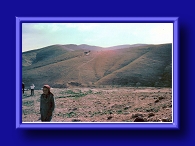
[32, 92]
[23, 90]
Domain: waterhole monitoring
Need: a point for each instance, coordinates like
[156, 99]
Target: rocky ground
[124, 104]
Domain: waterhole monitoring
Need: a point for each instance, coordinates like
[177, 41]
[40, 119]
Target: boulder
[139, 119]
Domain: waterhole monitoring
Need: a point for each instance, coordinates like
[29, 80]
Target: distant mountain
[124, 65]
[88, 47]
[124, 46]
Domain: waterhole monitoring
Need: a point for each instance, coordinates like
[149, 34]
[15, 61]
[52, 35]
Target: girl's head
[46, 89]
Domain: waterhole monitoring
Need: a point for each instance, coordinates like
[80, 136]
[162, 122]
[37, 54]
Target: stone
[165, 119]
[150, 119]
[110, 117]
[136, 115]
[150, 115]
[160, 98]
[127, 107]
[139, 119]
[74, 109]
[145, 120]
[126, 113]
[76, 120]
[156, 101]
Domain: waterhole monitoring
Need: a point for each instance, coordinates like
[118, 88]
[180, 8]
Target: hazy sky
[38, 35]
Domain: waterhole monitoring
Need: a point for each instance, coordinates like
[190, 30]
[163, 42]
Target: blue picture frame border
[132, 125]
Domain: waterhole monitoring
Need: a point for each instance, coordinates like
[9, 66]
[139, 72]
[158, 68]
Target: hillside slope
[65, 65]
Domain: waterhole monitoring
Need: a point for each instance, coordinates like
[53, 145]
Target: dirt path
[79, 68]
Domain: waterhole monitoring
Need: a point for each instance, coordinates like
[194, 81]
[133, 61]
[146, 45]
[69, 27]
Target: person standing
[47, 104]
[23, 87]
[32, 87]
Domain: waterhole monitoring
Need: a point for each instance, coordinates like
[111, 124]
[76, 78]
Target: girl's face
[45, 91]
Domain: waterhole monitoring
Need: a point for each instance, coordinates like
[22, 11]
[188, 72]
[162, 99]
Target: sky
[39, 35]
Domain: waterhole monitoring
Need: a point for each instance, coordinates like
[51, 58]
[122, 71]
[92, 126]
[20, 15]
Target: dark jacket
[47, 105]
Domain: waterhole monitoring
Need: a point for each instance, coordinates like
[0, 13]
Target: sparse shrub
[97, 93]
[152, 109]
[164, 106]
[119, 111]
[70, 115]
[76, 94]
[96, 113]
[28, 103]
[90, 92]
[138, 109]
[69, 92]
[108, 112]
[27, 111]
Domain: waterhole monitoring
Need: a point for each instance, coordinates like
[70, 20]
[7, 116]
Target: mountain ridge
[60, 65]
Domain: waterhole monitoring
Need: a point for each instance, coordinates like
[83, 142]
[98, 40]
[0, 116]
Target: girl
[47, 104]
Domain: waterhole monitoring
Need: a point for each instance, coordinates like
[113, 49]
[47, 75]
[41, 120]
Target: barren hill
[84, 65]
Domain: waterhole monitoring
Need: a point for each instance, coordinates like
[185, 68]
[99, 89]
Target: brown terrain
[118, 104]
[60, 66]
[94, 84]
